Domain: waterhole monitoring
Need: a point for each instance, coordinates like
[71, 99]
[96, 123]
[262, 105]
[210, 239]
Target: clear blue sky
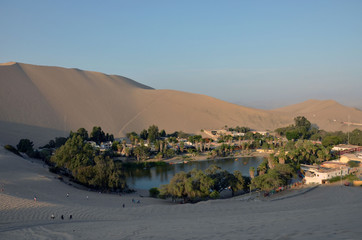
[256, 53]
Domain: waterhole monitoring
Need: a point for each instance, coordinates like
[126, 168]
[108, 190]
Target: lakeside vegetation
[196, 184]
[98, 161]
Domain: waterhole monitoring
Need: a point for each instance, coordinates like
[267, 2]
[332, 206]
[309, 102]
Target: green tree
[195, 138]
[60, 141]
[79, 159]
[83, 133]
[293, 135]
[356, 137]
[198, 184]
[141, 153]
[263, 167]
[176, 187]
[144, 134]
[97, 135]
[331, 141]
[73, 154]
[170, 153]
[163, 133]
[301, 121]
[154, 192]
[153, 133]
[271, 180]
[236, 182]
[25, 146]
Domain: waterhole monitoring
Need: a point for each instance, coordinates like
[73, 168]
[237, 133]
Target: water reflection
[156, 176]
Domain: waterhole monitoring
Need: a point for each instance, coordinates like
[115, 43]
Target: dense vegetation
[278, 169]
[303, 129]
[196, 184]
[240, 129]
[77, 158]
[25, 146]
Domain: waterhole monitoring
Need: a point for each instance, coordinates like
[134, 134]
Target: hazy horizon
[259, 54]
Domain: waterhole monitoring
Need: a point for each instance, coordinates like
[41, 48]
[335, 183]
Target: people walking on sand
[123, 205]
[34, 198]
[133, 200]
[62, 217]
[70, 216]
[86, 197]
[67, 194]
[52, 216]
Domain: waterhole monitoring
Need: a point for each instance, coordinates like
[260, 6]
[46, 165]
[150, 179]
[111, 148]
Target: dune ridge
[67, 99]
[64, 99]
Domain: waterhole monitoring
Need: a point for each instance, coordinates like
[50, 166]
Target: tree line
[303, 129]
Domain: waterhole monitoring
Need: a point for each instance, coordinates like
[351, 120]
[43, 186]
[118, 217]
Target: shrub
[25, 146]
[349, 177]
[154, 192]
[215, 195]
[12, 149]
[170, 153]
[353, 164]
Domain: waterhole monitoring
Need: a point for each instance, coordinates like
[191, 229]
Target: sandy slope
[326, 114]
[67, 99]
[54, 99]
[323, 213]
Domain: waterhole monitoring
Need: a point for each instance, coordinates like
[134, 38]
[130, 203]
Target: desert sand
[67, 99]
[317, 213]
[43, 102]
[325, 114]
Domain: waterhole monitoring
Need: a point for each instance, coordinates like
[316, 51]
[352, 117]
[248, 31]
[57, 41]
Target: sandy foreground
[320, 213]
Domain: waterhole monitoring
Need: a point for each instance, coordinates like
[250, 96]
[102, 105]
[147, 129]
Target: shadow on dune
[11, 133]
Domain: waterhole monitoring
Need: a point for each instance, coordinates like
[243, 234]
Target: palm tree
[127, 151]
[252, 172]
[182, 146]
[282, 157]
[271, 161]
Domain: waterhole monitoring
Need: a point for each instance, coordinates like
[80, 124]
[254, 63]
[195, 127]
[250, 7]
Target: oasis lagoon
[156, 176]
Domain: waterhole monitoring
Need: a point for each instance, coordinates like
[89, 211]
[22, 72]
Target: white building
[319, 174]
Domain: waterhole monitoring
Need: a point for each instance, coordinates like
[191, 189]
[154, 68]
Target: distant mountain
[54, 99]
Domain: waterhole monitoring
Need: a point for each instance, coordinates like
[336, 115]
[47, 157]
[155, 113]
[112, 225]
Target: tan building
[351, 157]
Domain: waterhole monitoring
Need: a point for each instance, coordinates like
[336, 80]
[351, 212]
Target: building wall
[320, 176]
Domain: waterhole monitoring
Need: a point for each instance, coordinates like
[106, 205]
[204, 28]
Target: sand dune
[328, 114]
[67, 99]
[322, 213]
[54, 99]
